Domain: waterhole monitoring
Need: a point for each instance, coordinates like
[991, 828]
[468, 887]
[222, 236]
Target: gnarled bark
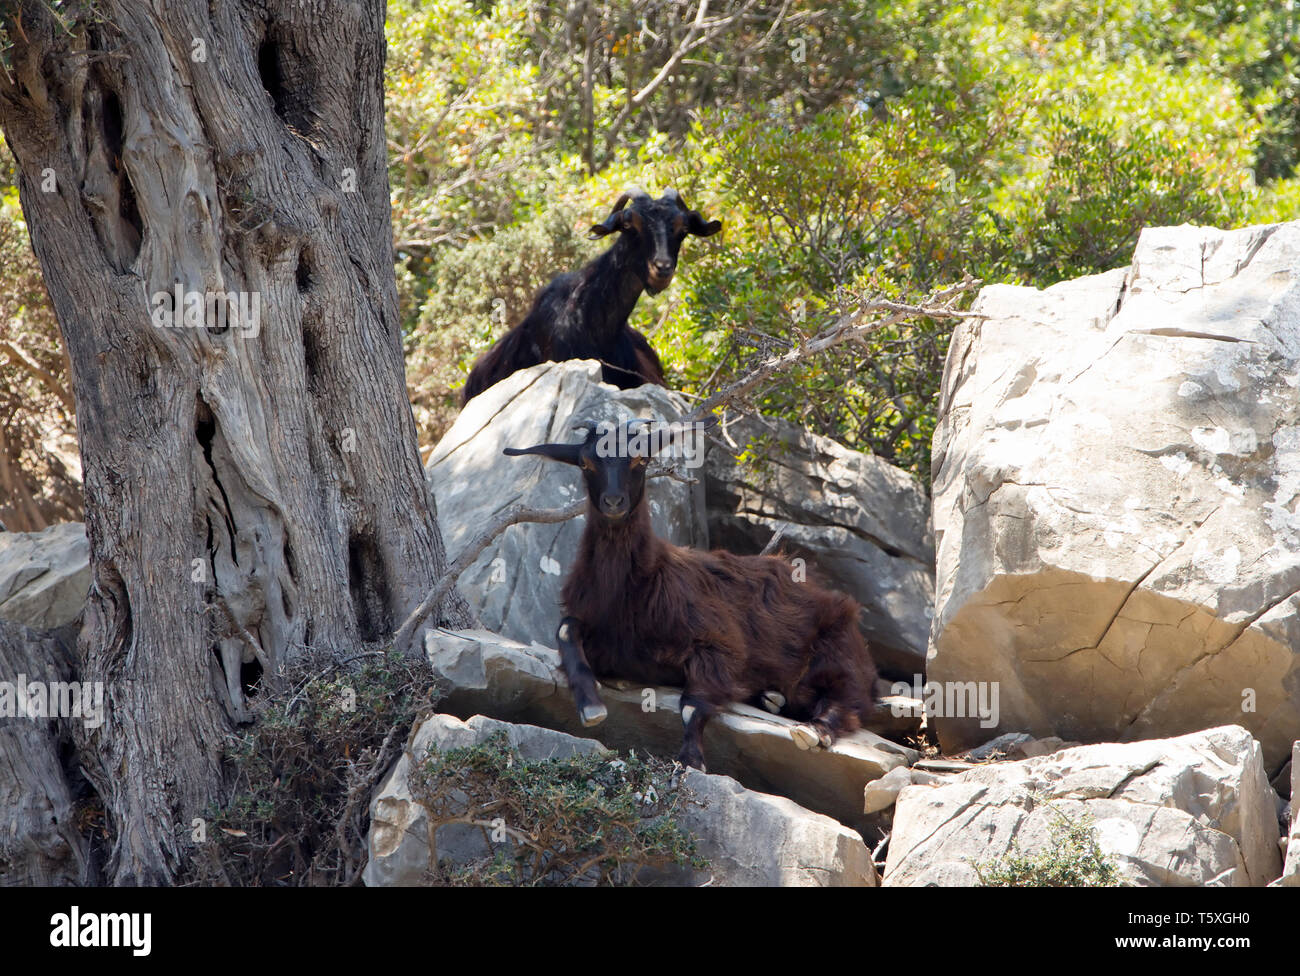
[39, 840]
[253, 487]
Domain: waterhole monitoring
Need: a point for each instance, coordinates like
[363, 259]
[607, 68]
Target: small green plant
[1071, 858]
[581, 820]
[297, 812]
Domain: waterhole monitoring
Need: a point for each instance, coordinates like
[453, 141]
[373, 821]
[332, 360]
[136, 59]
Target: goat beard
[654, 285]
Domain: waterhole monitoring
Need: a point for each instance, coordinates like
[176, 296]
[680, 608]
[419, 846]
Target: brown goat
[725, 628]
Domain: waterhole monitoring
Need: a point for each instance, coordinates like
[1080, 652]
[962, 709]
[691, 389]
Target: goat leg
[591, 710]
[827, 723]
[695, 714]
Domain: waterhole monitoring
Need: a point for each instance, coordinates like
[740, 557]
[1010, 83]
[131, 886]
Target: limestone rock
[1040, 747]
[861, 524]
[749, 838]
[1004, 745]
[1117, 497]
[754, 839]
[880, 794]
[491, 675]
[514, 586]
[1193, 810]
[44, 575]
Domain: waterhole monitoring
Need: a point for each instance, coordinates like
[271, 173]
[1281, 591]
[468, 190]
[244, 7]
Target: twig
[520, 513]
[773, 542]
[849, 328]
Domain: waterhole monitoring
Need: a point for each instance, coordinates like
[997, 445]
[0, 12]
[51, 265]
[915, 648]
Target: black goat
[723, 627]
[583, 314]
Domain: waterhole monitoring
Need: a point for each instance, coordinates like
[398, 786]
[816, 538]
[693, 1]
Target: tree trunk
[39, 842]
[253, 487]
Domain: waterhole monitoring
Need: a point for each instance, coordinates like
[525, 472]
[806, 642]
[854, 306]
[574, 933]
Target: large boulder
[1117, 497]
[1194, 810]
[44, 575]
[749, 838]
[514, 585]
[488, 674]
[862, 524]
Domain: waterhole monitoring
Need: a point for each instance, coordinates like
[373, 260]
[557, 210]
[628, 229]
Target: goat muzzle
[656, 282]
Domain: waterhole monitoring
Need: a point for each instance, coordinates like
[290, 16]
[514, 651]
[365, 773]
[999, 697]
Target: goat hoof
[773, 701]
[805, 736]
[593, 715]
[682, 766]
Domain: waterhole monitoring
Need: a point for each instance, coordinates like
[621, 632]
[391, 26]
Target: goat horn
[629, 194]
[672, 196]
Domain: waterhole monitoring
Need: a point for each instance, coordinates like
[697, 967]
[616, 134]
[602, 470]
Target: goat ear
[616, 220]
[564, 453]
[698, 226]
[607, 226]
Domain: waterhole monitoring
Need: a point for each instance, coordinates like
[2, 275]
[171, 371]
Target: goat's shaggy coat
[723, 627]
[579, 315]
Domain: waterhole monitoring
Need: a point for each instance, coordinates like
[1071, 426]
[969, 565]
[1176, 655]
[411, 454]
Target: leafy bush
[887, 149]
[1071, 858]
[583, 820]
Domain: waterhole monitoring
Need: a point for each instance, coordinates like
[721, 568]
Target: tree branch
[849, 328]
[48, 379]
[513, 516]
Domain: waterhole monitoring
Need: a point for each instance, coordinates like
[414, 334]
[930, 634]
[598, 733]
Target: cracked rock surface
[44, 575]
[862, 525]
[1193, 810]
[514, 586]
[1117, 497]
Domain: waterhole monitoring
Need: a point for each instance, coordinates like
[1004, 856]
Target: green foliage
[298, 810]
[1071, 858]
[582, 820]
[863, 149]
[852, 149]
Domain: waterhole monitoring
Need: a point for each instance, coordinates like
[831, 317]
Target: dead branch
[513, 516]
[849, 328]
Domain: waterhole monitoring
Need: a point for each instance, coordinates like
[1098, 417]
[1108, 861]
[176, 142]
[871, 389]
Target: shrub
[1071, 858]
[583, 820]
[297, 813]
